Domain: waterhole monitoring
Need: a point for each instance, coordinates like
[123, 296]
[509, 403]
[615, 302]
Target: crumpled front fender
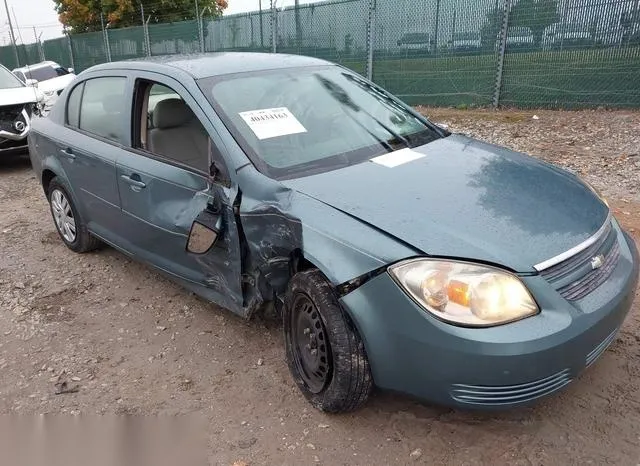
[277, 225]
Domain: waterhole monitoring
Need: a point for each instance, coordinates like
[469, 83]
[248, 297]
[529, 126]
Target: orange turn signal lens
[458, 292]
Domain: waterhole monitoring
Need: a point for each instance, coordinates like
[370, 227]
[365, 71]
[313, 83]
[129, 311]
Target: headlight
[465, 294]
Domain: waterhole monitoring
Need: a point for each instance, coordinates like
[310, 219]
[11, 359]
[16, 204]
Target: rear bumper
[499, 367]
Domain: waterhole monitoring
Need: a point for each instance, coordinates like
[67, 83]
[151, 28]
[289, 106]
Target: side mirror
[71, 70]
[31, 82]
[204, 233]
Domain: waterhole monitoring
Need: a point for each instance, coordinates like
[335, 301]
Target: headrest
[170, 113]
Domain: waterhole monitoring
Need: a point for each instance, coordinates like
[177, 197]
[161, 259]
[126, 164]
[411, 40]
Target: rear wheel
[70, 226]
[325, 354]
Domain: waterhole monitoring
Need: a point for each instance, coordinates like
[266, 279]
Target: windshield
[8, 80]
[44, 73]
[298, 121]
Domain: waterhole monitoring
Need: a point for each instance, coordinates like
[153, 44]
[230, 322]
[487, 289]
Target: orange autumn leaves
[85, 15]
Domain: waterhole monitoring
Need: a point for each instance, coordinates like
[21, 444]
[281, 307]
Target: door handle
[67, 153]
[131, 179]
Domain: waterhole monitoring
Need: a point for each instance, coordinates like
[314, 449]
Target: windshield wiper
[386, 99]
[381, 141]
[343, 98]
[395, 135]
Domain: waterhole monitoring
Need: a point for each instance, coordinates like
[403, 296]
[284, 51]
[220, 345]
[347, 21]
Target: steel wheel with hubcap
[63, 215]
[69, 224]
[325, 354]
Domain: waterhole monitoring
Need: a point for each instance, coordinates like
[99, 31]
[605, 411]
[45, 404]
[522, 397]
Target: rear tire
[70, 226]
[325, 354]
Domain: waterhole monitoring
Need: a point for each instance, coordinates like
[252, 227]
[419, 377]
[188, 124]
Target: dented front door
[160, 203]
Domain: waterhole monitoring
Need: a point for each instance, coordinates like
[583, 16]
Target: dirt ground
[125, 340]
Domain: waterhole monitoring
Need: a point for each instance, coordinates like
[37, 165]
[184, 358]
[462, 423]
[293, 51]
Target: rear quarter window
[73, 106]
[102, 108]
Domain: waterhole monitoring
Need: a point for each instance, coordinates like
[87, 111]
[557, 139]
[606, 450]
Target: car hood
[18, 95]
[56, 84]
[466, 199]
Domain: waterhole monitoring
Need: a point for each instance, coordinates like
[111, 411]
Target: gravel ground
[115, 337]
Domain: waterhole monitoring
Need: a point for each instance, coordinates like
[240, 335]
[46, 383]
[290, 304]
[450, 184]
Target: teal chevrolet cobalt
[399, 255]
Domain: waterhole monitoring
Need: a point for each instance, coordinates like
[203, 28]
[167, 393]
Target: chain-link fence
[524, 53]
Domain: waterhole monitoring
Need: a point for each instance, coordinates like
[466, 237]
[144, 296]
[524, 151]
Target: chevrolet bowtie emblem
[596, 262]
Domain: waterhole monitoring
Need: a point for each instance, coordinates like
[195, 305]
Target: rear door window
[102, 108]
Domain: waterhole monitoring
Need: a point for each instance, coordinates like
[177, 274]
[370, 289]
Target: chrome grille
[574, 277]
[589, 282]
[489, 395]
[565, 267]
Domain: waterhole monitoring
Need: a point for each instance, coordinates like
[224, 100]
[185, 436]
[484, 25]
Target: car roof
[204, 65]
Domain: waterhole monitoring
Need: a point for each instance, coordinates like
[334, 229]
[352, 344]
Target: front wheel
[325, 354]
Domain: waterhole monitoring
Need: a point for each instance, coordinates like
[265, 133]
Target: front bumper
[511, 365]
[15, 140]
[13, 146]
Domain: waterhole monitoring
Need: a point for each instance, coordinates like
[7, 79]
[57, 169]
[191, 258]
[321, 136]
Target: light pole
[261, 33]
[435, 37]
[13, 37]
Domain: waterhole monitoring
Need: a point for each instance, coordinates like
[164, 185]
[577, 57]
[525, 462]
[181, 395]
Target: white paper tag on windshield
[397, 158]
[272, 122]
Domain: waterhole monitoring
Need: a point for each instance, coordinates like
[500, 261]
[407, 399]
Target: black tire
[83, 241]
[345, 382]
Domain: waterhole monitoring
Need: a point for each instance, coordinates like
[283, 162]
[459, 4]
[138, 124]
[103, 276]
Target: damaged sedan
[398, 254]
[18, 104]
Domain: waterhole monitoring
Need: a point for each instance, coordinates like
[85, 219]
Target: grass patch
[548, 79]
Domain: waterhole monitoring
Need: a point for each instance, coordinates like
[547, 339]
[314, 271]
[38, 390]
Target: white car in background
[18, 104]
[48, 76]
[416, 42]
[518, 37]
[566, 35]
[465, 41]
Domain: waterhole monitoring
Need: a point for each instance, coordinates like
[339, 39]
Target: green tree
[80, 16]
[536, 15]
[491, 28]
